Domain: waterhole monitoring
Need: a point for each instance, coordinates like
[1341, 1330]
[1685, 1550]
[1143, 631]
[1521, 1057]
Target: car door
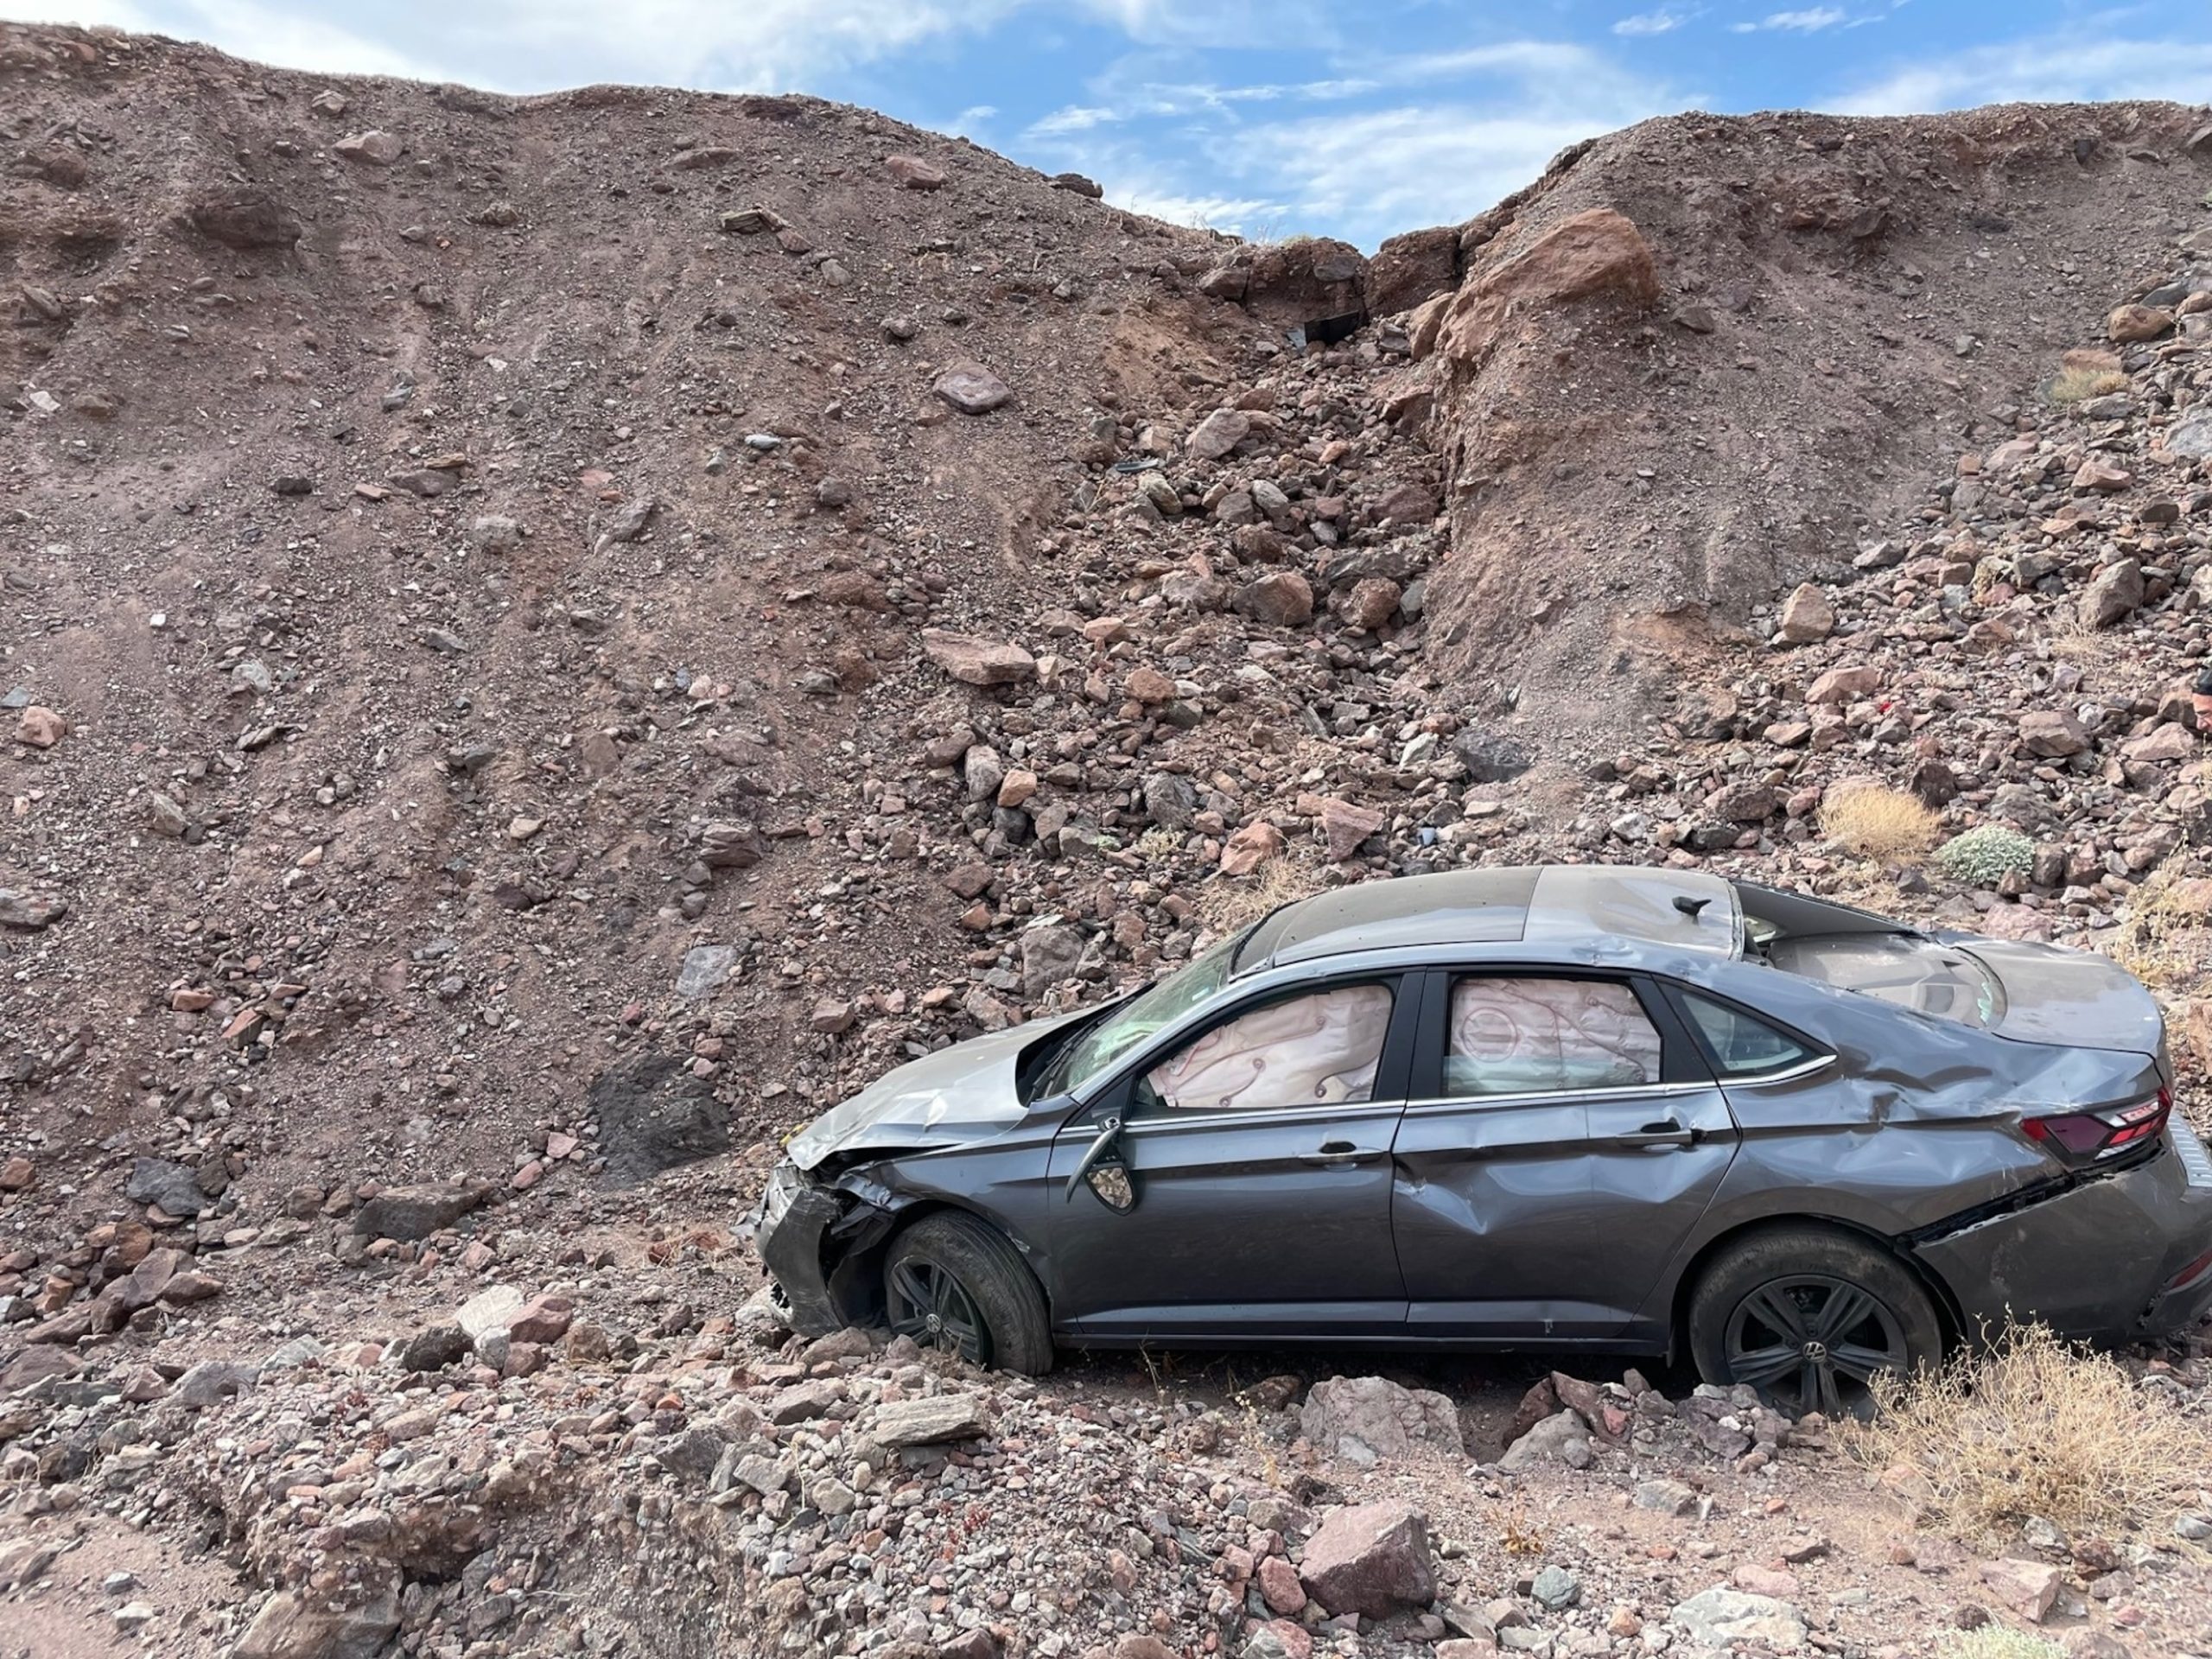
[1562, 1137]
[1250, 1181]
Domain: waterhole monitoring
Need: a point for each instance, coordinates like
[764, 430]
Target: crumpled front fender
[814, 1241]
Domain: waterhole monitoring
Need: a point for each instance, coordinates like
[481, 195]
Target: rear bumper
[2112, 1258]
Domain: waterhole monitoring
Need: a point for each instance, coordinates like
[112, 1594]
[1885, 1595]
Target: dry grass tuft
[1876, 822]
[2078, 643]
[1999, 1642]
[2078, 384]
[2031, 1427]
[1230, 902]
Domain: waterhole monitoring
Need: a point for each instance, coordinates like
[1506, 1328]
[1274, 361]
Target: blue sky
[1261, 117]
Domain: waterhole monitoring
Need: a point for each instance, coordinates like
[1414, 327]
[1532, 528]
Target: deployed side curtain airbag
[1305, 1050]
[1527, 1036]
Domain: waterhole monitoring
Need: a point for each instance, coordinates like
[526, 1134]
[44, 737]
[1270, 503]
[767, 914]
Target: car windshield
[1151, 1010]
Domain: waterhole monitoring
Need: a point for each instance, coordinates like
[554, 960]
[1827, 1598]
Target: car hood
[960, 1093]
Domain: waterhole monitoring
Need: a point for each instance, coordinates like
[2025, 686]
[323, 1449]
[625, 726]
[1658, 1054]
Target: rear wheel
[953, 1282]
[1810, 1318]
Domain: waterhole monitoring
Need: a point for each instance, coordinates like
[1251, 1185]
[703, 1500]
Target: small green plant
[1999, 1642]
[1985, 855]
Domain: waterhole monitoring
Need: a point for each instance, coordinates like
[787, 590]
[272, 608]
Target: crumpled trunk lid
[2071, 998]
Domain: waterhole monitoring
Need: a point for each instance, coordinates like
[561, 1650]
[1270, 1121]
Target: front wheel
[953, 1282]
[1810, 1318]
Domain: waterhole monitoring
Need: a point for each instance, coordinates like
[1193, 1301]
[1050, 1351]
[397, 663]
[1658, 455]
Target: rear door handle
[1338, 1153]
[1667, 1133]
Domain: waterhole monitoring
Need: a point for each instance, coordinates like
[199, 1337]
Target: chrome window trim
[1318, 1111]
[1554, 1097]
[1788, 1074]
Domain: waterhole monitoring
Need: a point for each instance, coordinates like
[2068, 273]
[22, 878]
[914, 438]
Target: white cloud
[1809, 22]
[1664, 21]
[1247, 24]
[2049, 69]
[531, 46]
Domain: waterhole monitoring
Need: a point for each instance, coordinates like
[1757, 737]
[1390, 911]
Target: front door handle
[1337, 1154]
[1667, 1133]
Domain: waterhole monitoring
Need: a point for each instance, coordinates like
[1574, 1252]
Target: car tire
[963, 1271]
[1807, 1316]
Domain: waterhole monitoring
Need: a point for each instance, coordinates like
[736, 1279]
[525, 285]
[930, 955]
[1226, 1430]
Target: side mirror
[1108, 1179]
[1109, 1132]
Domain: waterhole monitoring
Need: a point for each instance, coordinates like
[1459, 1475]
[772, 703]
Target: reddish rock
[1407, 504]
[1807, 616]
[1371, 1559]
[977, 662]
[2028, 1588]
[1279, 1586]
[543, 1320]
[40, 727]
[2130, 323]
[1345, 825]
[2051, 732]
[1844, 684]
[913, 173]
[1217, 434]
[16, 1174]
[1371, 603]
[375, 147]
[1282, 599]
[1250, 848]
[1149, 685]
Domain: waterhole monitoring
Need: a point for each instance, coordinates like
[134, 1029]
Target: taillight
[2085, 1137]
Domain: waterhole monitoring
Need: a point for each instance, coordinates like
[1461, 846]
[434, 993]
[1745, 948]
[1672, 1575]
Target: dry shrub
[1231, 902]
[1876, 822]
[2031, 1425]
[2076, 385]
[2163, 941]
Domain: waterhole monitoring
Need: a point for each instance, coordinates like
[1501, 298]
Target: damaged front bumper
[815, 1242]
[2106, 1256]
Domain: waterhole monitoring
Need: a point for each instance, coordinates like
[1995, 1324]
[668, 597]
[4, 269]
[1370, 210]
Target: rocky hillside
[546, 640]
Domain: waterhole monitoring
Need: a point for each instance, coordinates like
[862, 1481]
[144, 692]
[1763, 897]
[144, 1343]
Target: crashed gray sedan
[1638, 1110]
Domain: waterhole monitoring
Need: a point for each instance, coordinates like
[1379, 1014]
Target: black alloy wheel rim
[934, 1308]
[1811, 1343]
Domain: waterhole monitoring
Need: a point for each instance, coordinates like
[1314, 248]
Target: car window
[1144, 1016]
[1513, 1036]
[1742, 1046]
[1316, 1049]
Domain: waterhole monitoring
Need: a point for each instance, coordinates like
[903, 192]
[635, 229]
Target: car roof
[1549, 904]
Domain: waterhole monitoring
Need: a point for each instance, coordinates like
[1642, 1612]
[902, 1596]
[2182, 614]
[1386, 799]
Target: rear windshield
[1920, 973]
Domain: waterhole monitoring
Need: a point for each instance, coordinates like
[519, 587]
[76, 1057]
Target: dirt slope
[1838, 305]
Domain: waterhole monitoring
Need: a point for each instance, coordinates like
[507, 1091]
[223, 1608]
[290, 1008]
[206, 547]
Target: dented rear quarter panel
[1914, 1124]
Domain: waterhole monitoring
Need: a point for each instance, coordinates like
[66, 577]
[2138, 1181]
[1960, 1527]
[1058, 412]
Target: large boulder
[1363, 1418]
[1371, 1559]
[1595, 255]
